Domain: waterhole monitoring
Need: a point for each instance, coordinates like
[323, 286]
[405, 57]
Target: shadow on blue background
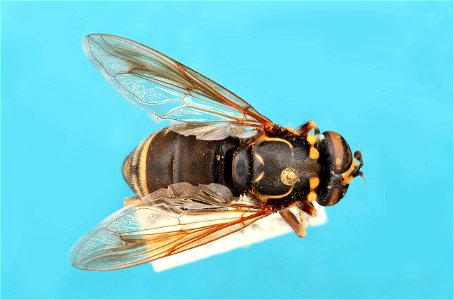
[378, 73]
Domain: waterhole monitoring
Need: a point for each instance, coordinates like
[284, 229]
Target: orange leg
[298, 226]
[305, 128]
[131, 200]
[307, 207]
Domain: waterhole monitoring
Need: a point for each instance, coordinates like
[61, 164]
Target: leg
[298, 226]
[131, 200]
[307, 207]
[305, 128]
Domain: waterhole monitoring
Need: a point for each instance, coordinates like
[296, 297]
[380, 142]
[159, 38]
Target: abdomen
[167, 157]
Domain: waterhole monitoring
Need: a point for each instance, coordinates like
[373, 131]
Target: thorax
[275, 168]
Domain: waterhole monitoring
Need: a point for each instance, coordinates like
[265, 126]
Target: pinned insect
[217, 168]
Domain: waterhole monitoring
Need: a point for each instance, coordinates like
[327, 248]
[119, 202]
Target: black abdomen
[167, 157]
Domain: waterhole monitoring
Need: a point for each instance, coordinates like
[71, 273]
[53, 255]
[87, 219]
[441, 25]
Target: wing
[166, 222]
[168, 89]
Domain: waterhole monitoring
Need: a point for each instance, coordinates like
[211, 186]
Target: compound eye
[334, 195]
[339, 152]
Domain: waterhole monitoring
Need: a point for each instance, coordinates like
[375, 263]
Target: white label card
[264, 229]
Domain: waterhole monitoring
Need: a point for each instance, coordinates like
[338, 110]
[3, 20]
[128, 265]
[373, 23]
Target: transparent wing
[168, 89]
[166, 222]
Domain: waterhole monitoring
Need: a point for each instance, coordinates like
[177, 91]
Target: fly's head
[338, 167]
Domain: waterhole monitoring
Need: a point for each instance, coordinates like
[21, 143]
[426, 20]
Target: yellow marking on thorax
[311, 196]
[313, 182]
[281, 196]
[313, 153]
[264, 138]
[259, 158]
[259, 177]
[265, 198]
[311, 139]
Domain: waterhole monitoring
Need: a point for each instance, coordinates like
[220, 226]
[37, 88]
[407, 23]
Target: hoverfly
[217, 168]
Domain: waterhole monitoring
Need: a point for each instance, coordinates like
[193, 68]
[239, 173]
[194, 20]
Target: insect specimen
[217, 168]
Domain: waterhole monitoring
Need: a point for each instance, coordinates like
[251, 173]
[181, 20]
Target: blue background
[380, 73]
